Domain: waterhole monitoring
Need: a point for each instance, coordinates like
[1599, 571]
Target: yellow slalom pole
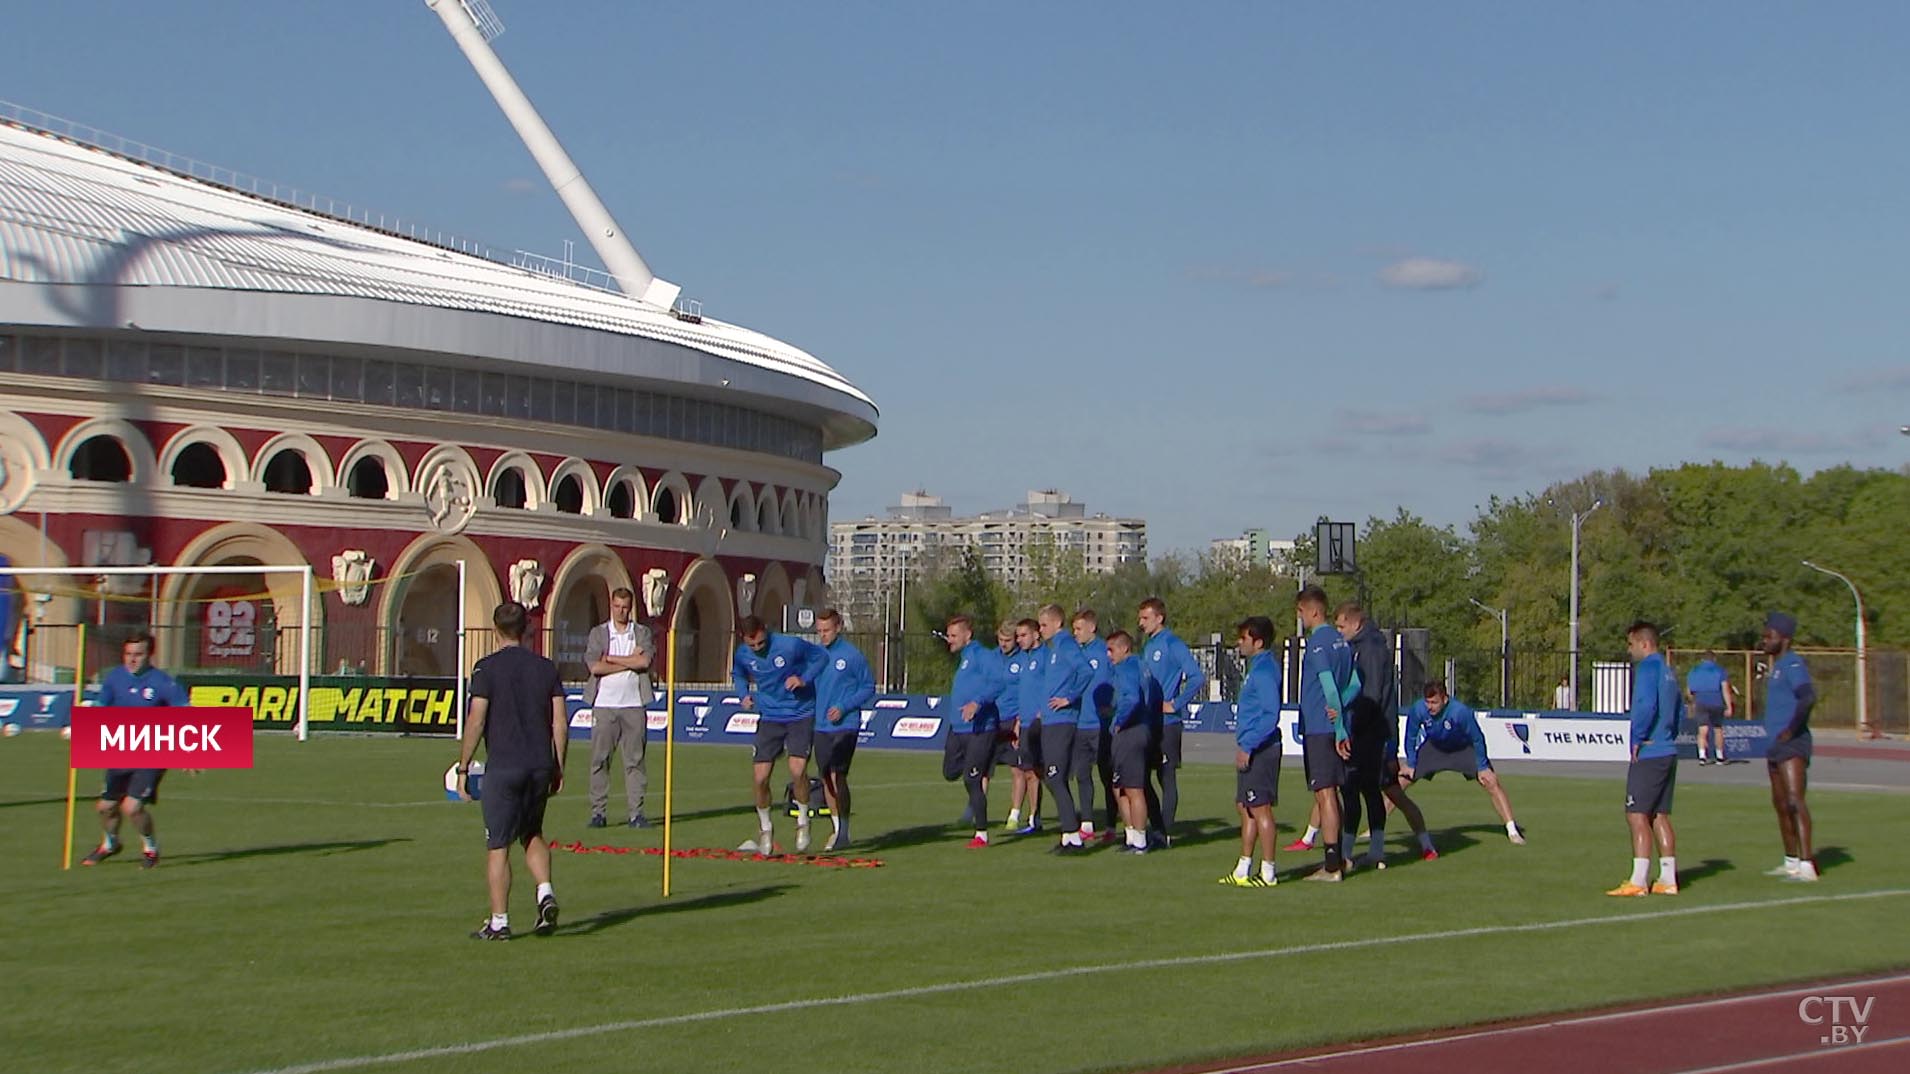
[72, 774]
[669, 754]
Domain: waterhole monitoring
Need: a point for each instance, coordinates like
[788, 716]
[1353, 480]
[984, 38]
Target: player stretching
[1442, 735]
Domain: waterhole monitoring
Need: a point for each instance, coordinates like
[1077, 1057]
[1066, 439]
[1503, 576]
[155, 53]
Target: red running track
[1753, 1032]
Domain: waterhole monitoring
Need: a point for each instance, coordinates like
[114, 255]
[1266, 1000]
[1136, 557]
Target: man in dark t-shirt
[517, 711]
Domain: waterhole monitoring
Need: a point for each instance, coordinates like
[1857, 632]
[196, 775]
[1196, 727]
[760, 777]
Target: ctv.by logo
[1844, 1018]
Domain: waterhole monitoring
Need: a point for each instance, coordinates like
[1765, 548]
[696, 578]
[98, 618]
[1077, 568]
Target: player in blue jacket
[1789, 696]
[1657, 711]
[1256, 753]
[133, 683]
[1171, 665]
[1708, 688]
[775, 675]
[1033, 701]
[971, 730]
[1066, 679]
[1136, 706]
[1327, 686]
[1442, 735]
[1093, 741]
[844, 688]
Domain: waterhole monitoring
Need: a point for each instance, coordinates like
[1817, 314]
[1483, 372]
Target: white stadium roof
[75, 216]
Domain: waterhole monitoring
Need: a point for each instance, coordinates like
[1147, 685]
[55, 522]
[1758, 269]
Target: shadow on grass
[612, 918]
[1829, 858]
[920, 835]
[1704, 870]
[1194, 833]
[83, 799]
[212, 857]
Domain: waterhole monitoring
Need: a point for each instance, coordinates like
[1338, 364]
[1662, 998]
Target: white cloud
[1430, 274]
[519, 185]
[1383, 423]
[1547, 395]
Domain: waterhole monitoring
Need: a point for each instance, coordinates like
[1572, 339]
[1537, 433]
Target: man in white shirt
[618, 654]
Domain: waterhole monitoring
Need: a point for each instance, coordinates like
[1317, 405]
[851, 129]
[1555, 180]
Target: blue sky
[1219, 266]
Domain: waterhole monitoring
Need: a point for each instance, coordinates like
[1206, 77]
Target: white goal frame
[303, 570]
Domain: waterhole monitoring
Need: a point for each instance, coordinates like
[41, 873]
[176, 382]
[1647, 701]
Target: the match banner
[161, 737]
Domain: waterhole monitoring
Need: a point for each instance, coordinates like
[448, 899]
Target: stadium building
[196, 372]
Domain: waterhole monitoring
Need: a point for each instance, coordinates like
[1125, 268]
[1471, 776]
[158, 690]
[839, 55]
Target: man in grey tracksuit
[618, 654]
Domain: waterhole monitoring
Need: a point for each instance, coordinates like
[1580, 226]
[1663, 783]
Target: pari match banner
[338, 702]
[161, 737]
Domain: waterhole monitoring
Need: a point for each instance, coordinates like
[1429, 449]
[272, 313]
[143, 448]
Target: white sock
[983, 836]
[1071, 839]
[1243, 867]
[1668, 871]
[1136, 837]
[1266, 871]
[1312, 833]
[1087, 829]
[836, 819]
[150, 843]
[762, 818]
[1014, 818]
[1791, 865]
[1511, 827]
[802, 814]
[500, 922]
[544, 892]
[1639, 867]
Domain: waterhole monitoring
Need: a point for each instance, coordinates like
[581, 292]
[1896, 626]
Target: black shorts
[1057, 751]
[513, 805]
[140, 783]
[1707, 716]
[1027, 750]
[1005, 748]
[968, 756]
[835, 750]
[1171, 745]
[1433, 760]
[1088, 749]
[1259, 784]
[776, 737]
[1389, 770]
[1324, 767]
[1366, 768]
[1133, 748]
[1649, 783]
[1776, 753]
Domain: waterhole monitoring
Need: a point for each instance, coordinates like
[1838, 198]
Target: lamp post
[1505, 651]
[1863, 692]
[1578, 519]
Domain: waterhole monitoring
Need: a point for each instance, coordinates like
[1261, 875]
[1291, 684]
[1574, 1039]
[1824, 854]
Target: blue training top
[1008, 702]
[1453, 729]
[1657, 709]
[1170, 663]
[1327, 683]
[844, 683]
[769, 671]
[1706, 683]
[151, 688]
[1100, 686]
[1257, 714]
[1033, 684]
[1789, 695]
[1066, 676]
[977, 681]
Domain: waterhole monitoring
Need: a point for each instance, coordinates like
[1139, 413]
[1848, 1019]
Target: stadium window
[165, 365]
[348, 375]
[83, 359]
[466, 387]
[125, 360]
[40, 355]
[496, 387]
[367, 480]
[199, 467]
[314, 376]
[540, 399]
[102, 458]
[587, 398]
[288, 472]
[242, 370]
[510, 491]
[8, 348]
[205, 367]
[378, 381]
[410, 386]
[563, 402]
[437, 388]
[736, 513]
[667, 508]
[623, 503]
[569, 496]
[278, 373]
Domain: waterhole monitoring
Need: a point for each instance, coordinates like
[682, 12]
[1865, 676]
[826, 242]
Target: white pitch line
[360, 1062]
[1557, 1023]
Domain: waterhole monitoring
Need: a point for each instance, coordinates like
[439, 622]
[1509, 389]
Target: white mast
[473, 24]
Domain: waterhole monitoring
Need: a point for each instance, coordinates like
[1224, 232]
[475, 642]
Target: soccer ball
[11, 729]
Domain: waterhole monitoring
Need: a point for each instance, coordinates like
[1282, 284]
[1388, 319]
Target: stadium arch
[703, 624]
[418, 606]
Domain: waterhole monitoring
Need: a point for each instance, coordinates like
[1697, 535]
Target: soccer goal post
[306, 610]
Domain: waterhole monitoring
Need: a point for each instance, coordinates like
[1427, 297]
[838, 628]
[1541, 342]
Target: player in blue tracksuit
[843, 689]
[1442, 735]
[1136, 706]
[971, 728]
[775, 675]
[1032, 703]
[1256, 753]
[1327, 685]
[133, 683]
[1171, 665]
[1066, 679]
[1789, 696]
[1657, 711]
[1008, 706]
[1093, 741]
[1709, 688]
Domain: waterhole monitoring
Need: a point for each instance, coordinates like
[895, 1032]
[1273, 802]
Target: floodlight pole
[1578, 519]
[1863, 691]
[1505, 652]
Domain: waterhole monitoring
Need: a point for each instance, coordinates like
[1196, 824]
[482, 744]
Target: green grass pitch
[316, 908]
